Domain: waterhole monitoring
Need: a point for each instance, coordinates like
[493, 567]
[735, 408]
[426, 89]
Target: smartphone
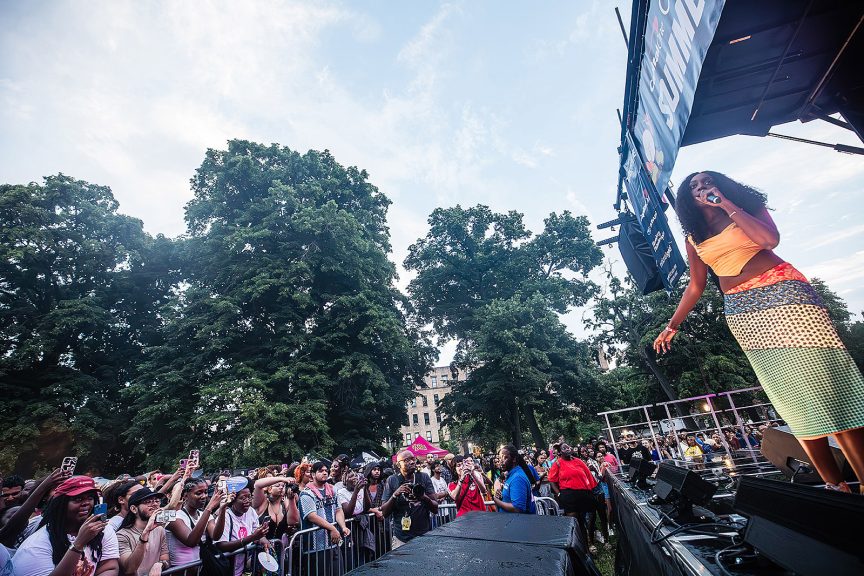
[193, 457]
[221, 486]
[166, 516]
[284, 468]
[184, 462]
[69, 463]
[100, 509]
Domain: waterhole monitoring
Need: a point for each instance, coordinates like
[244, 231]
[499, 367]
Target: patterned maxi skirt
[783, 327]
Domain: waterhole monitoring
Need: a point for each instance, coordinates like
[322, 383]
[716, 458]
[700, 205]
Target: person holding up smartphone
[142, 541]
[469, 491]
[193, 519]
[72, 541]
[242, 527]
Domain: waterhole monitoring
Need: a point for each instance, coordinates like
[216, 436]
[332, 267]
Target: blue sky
[509, 104]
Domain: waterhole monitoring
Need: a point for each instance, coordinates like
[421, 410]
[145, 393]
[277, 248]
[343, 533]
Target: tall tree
[80, 286]
[483, 279]
[289, 333]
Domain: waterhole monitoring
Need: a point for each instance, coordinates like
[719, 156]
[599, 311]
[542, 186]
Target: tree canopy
[486, 281]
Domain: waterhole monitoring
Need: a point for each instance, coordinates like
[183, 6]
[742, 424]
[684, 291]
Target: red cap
[75, 486]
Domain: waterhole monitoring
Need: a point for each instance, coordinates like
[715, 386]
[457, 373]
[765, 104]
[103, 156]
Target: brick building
[424, 418]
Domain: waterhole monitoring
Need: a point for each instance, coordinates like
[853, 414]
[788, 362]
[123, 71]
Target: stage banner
[677, 36]
[648, 207]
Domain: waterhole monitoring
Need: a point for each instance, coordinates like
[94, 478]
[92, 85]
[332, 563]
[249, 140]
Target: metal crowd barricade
[311, 552]
[547, 506]
[707, 413]
[181, 569]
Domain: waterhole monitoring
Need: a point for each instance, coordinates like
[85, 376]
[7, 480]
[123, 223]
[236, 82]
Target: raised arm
[694, 290]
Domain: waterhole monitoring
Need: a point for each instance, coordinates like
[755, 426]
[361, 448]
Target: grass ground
[605, 559]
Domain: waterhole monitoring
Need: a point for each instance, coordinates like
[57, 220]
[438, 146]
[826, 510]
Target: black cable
[718, 557]
[695, 528]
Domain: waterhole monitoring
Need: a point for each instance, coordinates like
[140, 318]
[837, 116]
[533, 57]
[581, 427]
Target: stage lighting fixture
[682, 487]
[640, 470]
[805, 529]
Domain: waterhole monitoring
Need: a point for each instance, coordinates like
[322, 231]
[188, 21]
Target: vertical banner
[678, 34]
[648, 208]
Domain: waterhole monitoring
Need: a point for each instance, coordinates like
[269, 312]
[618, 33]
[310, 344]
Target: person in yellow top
[775, 315]
[693, 450]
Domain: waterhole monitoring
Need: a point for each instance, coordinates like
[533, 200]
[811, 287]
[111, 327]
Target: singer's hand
[713, 191]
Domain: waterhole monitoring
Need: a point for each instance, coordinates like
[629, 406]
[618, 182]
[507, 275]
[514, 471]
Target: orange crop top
[728, 252]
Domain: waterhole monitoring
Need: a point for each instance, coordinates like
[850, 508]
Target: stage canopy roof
[777, 61]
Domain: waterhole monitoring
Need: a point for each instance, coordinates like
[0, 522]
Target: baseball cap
[75, 486]
[144, 494]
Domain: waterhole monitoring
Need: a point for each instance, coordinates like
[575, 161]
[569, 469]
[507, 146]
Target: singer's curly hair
[746, 197]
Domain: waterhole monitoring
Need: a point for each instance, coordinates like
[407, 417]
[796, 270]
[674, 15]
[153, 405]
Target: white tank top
[178, 552]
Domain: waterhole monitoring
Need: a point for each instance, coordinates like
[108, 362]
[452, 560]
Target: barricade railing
[182, 568]
[547, 506]
[707, 413]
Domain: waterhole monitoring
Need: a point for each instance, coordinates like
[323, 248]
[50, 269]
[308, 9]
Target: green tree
[483, 279]
[288, 334]
[81, 284]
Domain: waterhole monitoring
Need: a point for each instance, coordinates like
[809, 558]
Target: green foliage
[81, 284]
[288, 334]
[484, 280]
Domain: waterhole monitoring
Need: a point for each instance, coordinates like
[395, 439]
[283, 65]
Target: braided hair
[54, 520]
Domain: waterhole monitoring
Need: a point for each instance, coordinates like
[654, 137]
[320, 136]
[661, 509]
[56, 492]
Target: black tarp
[449, 556]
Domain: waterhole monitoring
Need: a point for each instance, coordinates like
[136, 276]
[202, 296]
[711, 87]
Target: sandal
[841, 487]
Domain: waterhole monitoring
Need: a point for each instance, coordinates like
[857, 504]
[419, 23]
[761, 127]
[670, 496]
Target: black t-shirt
[416, 510]
[625, 454]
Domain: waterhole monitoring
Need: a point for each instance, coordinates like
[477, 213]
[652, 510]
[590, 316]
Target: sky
[508, 104]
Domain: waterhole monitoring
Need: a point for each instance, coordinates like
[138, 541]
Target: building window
[416, 435]
[437, 416]
[425, 401]
[436, 399]
[443, 380]
[415, 420]
[429, 435]
[434, 381]
[414, 402]
[407, 439]
[426, 418]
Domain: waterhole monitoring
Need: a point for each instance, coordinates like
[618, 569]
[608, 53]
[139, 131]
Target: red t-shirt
[471, 497]
[572, 474]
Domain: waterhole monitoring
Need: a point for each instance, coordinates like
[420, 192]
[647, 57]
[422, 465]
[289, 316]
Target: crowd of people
[75, 525]
[66, 524]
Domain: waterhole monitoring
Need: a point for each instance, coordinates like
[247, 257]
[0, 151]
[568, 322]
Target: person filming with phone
[242, 526]
[142, 541]
[469, 489]
[71, 540]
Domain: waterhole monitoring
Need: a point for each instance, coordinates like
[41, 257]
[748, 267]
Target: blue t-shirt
[517, 491]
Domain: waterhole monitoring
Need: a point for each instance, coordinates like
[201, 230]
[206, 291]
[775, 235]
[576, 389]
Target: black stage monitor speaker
[640, 470]
[804, 529]
[556, 531]
[639, 258]
[674, 481]
[781, 448]
[445, 556]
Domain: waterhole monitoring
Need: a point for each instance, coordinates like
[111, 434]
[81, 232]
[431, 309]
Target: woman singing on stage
[775, 315]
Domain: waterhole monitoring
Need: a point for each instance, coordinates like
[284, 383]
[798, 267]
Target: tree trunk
[536, 433]
[515, 425]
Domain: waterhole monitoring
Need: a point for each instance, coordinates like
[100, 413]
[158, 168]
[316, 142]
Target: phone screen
[100, 509]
